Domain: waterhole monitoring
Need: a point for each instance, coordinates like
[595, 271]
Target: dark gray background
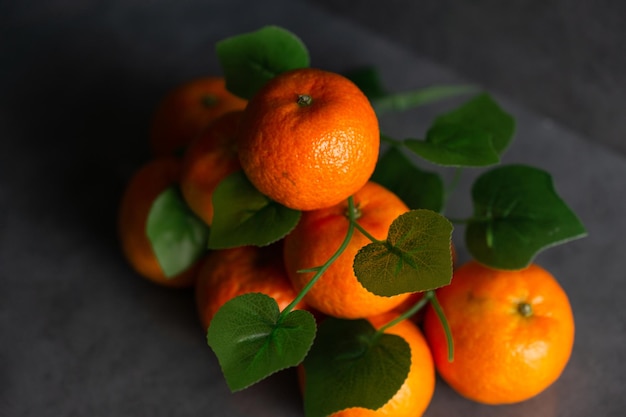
[564, 58]
[82, 335]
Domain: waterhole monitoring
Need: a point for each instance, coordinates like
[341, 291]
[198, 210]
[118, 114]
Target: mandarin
[227, 273]
[309, 139]
[317, 237]
[186, 110]
[208, 160]
[143, 188]
[513, 332]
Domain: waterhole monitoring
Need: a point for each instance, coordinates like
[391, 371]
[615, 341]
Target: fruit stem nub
[525, 309]
[304, 100]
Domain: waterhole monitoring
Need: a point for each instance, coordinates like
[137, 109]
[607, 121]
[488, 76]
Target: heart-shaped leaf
[252, 340]
[244, 216]
[475, 134]
[350, 365]
[517, 213]
[415, 257]
[178, 237]
[416, 187]
[251, 59]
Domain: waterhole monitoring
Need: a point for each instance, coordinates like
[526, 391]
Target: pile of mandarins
[309, 139]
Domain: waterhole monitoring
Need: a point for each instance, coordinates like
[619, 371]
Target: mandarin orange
[309, 139]
[513, 332]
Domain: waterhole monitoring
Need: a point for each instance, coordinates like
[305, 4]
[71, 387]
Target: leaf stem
[408, 313]
[445, 324]
[364, 231]
[321, 269]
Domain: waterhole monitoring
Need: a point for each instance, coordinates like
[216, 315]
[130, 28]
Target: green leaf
[244, 216]
[473, 135]
[251, 59]
[414, 98]
[517, 213]
[417, 188]
[416, 256]
[350, 365]
[368, 80]
[252, 342]
[456, 146]
[177, 236]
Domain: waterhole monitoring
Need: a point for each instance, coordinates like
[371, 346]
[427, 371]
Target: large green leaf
[350, 365]
[415, 257]
[517, 213]
[416, 187]
[244, 216]
[252, 340]
[178, 237]
[474, 134]
[251, 59]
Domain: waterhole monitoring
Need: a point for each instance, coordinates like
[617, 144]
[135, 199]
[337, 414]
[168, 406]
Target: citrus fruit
[142, 189]
[317, 237]
[309, 139]
[209, 158]
[513, 332]
[227, 273]
[186, 110]
[416, 393]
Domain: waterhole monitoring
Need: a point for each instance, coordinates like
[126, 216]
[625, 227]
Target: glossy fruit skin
[208, 159]
[186, 110]
[309, 156]
[317, 237]
[141, 190]
[502, 355]
[227, 273]
[415, 394]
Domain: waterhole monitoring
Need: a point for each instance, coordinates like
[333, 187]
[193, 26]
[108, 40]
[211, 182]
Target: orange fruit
[416, 393]
[186, 110]
[309, 139]
[317, 237]
[142, 189]
[227, 273]
[208, 160]
[513, 332]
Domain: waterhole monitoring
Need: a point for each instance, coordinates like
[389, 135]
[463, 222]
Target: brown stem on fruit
[525, 309]
[304, 100]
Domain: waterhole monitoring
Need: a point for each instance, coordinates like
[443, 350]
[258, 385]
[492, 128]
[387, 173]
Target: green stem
[364, 232]
[408, 313]
[391, 141]
[320, 270]
[445, 324]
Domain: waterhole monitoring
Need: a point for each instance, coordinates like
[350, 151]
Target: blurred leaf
[419, 97]
[415, 257]
[177, 236]
[350, 365]
[417, 188]
[517, 213]
[251, 341]
[251, 59]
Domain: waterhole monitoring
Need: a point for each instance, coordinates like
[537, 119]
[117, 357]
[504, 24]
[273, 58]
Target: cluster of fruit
[308, 142]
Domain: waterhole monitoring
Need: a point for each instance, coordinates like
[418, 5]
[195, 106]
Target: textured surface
[82, 335]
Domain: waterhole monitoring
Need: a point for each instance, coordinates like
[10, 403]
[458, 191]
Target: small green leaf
[455, 145]
[251, 59]
[244, 216]
[177, 236]
[414, 98]
[517, 213]
[350, 365]
[417, 188]
[251, 341]
[473, 135]
[416, 256]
